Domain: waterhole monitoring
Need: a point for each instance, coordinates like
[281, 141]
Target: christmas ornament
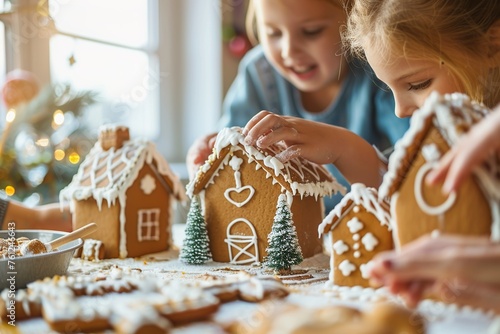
[20, 87]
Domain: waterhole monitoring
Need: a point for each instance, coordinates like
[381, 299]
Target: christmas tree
[195, 248]
[43, 138]
[283, 251]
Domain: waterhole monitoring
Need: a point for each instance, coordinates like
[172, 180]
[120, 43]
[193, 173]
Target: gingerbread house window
[148, 225]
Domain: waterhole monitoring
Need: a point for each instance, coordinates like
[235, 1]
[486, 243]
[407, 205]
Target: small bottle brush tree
[195, 248]
[284, 250]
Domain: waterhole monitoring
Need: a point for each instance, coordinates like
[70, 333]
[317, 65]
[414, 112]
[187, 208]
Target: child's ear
[494, 42]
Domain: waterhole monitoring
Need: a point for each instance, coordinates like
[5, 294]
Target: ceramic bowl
[22, 270]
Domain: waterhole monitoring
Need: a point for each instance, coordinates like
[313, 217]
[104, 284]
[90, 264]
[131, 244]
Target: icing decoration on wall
[91, 249]
[357, 254]
[355, 237]
[148, 184]
[365, 269]
[431, 154]
[340, 247]
[355, 225]
[148, 224]
[241, 244]
[369, 241]
[235, 163]
[346, 267]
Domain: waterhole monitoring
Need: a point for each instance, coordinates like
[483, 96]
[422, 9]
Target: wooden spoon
[36, 246]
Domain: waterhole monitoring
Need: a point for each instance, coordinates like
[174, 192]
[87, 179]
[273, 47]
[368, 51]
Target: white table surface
[313, 292]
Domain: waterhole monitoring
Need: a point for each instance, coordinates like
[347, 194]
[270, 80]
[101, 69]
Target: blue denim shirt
[362, 106]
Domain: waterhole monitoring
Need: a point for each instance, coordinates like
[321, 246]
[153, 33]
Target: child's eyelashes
[420, 85]
[273, 32]
[309, 32]
[313, 31]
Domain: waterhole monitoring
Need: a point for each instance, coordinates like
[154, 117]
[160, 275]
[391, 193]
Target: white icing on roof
[106, 174]
[452, 115]
[359, 195]
[313, 179]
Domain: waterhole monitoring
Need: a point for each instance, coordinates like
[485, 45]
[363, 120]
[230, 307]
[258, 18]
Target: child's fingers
[278, 133]
[254, 121]
[438, 173]
[461, 167]
[440, 258]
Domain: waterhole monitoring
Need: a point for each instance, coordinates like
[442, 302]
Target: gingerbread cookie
[258, 289]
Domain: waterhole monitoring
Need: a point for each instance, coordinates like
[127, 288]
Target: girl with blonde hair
[298, 69]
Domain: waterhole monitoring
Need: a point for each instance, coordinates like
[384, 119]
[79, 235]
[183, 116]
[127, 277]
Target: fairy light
[58, 117]
[74, 158]
[59, 154]
[11, 115]
[10, 190]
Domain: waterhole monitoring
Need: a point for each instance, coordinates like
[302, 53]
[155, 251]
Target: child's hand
[199, 152]
[460, 269]
[318, 142]
[472, 150]
[310, 140]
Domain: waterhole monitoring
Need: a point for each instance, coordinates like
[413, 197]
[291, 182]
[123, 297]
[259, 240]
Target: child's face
[301, 39]
[410, 80]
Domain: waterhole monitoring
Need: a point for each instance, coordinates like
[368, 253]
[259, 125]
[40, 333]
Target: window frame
[190, 84]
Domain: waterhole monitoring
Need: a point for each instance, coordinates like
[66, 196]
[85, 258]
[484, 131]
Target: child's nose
[403, 111]
[289, 47]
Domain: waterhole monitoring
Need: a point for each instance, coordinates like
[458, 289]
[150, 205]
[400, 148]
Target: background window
[110, 47]
[155, 66]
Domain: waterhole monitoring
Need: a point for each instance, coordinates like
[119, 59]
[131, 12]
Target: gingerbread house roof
[453, 115]
[105, 174]
[297, 176]
[359, 195]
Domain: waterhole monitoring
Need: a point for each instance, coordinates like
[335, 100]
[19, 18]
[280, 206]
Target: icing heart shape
[239, 190]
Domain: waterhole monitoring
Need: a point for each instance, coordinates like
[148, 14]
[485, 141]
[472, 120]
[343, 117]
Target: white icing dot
[235, 163]
[148, 184]
[365, 268]
[431, 152]
[369, 241]
[355, 209]
[355, 246]
[357, 254]
[355, 225]
[355, 237]
[346, 267]
[340, 247]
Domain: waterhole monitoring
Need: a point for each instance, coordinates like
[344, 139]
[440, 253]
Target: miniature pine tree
[195, 249]
[284, 250]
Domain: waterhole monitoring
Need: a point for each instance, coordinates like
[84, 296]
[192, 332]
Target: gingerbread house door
[241, 239]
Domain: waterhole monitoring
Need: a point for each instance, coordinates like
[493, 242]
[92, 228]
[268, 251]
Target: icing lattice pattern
[104, 174]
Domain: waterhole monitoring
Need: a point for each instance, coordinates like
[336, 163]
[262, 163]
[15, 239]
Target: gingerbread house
[418, 208]
[358, 227]
[239, 186]
[128, 189]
